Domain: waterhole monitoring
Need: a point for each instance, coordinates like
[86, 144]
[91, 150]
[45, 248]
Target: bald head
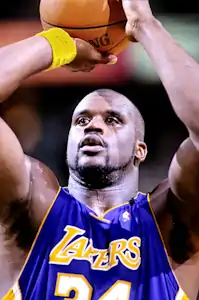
[115, 99]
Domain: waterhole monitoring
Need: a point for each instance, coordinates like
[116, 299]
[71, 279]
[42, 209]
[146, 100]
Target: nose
[95, 125]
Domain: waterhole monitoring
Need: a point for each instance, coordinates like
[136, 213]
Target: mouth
[92, 144]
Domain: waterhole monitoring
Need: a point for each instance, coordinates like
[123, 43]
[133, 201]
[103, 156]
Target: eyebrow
[114, 113]
[82, 112]
[88, 112]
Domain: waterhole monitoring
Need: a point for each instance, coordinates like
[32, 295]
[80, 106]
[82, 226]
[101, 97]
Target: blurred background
[40, 111]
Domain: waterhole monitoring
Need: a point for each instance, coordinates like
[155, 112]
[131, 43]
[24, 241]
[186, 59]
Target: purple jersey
[78, 255]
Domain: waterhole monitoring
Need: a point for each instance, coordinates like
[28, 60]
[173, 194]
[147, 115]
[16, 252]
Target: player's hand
[88, 57]
[137, 12]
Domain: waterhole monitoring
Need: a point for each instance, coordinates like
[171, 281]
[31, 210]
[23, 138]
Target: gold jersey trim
[180, 294]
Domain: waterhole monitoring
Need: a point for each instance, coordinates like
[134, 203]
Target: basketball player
[100, 238]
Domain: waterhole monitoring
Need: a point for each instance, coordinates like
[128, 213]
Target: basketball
[100, 22]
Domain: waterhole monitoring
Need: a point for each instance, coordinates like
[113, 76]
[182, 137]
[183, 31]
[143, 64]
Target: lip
[92, 149]
[92, 141]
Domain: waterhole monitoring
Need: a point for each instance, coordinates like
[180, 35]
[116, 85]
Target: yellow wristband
[63, 46]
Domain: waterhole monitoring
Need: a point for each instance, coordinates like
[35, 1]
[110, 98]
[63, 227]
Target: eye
[82, 121]
[112, 120]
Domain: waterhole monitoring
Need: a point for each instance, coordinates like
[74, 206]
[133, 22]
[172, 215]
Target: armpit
[181, 242]
[177, 235]
[17, 224]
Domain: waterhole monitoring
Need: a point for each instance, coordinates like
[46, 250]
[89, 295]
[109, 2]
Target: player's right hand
[88, 57]
[137, 12]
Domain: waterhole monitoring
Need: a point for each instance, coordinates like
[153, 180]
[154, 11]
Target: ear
[140, 152]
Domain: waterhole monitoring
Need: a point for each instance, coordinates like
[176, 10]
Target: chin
[91, 162]
[93, 175]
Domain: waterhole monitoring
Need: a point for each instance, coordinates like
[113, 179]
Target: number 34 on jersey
[66, 283]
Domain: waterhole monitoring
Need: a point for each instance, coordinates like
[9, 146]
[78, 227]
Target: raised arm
[179, 73]
[20, 60]
[19, 175]
[17, 62]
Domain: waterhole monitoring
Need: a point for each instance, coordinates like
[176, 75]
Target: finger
[129, 31]
[95, 56]
[108, 60]
[72, 69]
[88, 69]
[99, 58]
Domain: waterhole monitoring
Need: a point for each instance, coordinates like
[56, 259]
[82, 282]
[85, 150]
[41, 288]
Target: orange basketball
[100, 22]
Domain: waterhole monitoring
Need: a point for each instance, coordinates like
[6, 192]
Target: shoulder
[22, 218]
[43, 189]
[164, 201]
[159, 196]
[42, 172]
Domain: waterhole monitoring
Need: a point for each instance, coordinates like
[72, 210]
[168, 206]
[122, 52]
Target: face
[102, 134]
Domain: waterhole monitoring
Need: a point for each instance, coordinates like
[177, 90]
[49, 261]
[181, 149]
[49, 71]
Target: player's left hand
[88, 57]
[137, 12]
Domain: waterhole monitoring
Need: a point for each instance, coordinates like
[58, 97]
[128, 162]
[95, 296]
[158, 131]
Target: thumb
[102, 58]
[108, 59]
[132, 27]
[129, 32]
[95, 56]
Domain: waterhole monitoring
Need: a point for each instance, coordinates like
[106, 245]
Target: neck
[100, 200]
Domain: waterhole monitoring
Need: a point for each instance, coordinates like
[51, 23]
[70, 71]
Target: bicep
[184, 183]
[14, 167]
[21, 219]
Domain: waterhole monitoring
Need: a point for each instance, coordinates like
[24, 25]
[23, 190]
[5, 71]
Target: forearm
[20, 60]
[178, 71]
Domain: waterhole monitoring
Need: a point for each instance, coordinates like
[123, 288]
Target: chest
[118, 256]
